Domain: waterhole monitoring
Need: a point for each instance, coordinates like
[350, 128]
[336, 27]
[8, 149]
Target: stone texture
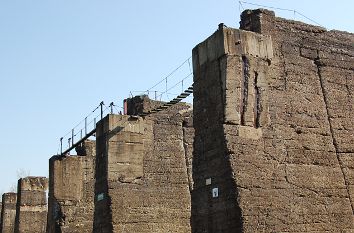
[273, 118]
[8, 212]
[143, 171]
[71, 191]
[268, 147]
[31, 206]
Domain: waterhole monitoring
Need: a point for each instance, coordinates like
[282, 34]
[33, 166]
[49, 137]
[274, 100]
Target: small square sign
[208, 181]
[215, 192]
[100, 197]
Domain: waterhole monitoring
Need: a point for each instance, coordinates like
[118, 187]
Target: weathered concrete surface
[273, 118]
[31, 206]
[71, 191]
[8, 212]
[142, 181]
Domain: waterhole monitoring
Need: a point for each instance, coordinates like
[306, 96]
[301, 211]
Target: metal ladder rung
[175, 100]
[183, 95]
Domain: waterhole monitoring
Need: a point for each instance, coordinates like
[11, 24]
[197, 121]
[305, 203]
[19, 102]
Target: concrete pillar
[230, 70]
[272, 124]
[120, 146]
[71, 191]
[8, 212]
[142, 167]
[31, 207]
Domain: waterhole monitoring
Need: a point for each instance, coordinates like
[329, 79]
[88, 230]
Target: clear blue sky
[59, 59]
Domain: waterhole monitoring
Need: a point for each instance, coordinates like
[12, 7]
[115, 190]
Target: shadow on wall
[215, 206]
[58, 216]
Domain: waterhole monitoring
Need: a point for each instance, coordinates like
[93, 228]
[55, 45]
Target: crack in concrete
[298, 186]
[244, 92]
[284, 68]
[187, 164]
[257, 106]
[335, 144]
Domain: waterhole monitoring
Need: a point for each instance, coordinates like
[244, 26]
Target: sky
[60, 58]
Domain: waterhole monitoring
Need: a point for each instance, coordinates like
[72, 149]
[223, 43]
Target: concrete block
[31, 207]
[273, 128]
[8, 212]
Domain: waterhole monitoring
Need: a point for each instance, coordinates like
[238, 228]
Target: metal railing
[162, 91]
[85, 128]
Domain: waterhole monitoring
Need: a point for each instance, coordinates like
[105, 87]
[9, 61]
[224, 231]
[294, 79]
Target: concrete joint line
[335, 144]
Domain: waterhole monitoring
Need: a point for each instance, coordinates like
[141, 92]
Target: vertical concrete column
[230, 100]
[273, 126]
[8, 212]
[142, 167]
[31, 207]
[119, 162]
[71, 190]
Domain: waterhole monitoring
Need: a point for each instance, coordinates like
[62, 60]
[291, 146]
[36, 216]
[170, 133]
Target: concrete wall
[269, 146]
[142, 182]
[71, 191]
[31, 206]
[273, 118]
[8, 212]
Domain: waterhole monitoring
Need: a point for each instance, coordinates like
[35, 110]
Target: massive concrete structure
[8, 212]
[31, 206]
[71, 191]
[142, 164]
[268, 146]
[274, 132]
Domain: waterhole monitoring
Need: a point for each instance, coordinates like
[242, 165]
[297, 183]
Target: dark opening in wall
[244, 90]
[257, 101]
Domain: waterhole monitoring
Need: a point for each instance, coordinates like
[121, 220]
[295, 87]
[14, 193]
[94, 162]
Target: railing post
[166, 85]
[61, 145]
[111, 105]
[125, 107]
[81, 134]
[72, 137]
[101, 104]
[94, 122]
[85, 125]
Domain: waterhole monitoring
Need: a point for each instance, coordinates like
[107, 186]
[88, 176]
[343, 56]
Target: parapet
[33, 183]
[87, 148]
[230, 41]
[143, 104]
[139, 104]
